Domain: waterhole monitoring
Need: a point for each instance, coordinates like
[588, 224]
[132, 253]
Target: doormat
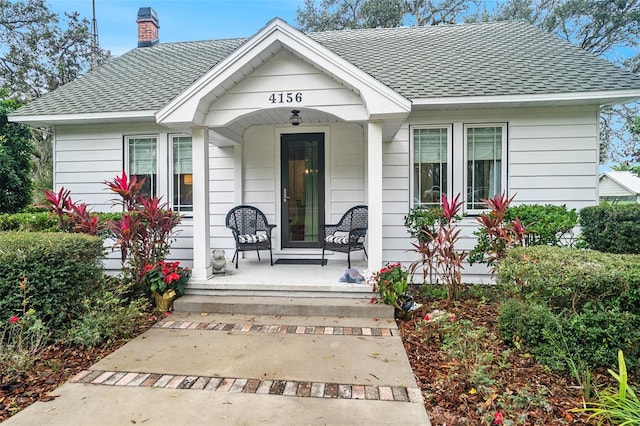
[301, 262]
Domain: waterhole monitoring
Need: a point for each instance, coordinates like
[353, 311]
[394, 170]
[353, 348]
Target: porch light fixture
[295, 119]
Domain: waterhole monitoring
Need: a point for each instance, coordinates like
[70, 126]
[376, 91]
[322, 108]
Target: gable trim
[613, 97]
[99, 117]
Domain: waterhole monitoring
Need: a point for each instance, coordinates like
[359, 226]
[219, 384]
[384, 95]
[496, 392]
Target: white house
[619, 186]
[390, 118]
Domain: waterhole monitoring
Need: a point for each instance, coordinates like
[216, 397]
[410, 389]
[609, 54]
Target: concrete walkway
[224, 369]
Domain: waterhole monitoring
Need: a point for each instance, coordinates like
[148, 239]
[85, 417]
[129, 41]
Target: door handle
[284, 195]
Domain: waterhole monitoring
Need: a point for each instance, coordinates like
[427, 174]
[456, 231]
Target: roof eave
[85, 118]
[613, 97]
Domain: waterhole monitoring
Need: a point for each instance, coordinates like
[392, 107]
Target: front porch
[258, 278]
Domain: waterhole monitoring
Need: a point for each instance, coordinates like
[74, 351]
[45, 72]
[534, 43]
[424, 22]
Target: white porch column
[201, 229]
[374, 195]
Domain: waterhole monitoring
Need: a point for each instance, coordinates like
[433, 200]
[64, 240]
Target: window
[182, 174]
[142, 161]
[430, 165]
[485, 147]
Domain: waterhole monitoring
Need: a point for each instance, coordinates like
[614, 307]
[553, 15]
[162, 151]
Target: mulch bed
[523, 391]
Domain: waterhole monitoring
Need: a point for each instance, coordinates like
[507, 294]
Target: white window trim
[170, 188]
[127, 163]
[450, 165]
[504, 165]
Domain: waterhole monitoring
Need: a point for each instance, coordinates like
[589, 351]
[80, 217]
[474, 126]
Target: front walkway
[245, 369]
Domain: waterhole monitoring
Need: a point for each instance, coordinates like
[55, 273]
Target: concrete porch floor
[258, 278]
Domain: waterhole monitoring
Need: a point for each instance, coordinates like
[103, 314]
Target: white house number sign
[285, 97]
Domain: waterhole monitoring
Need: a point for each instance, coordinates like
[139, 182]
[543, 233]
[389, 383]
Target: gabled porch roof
[191, 107]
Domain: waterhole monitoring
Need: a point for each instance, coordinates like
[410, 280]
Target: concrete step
[289, 306]
[304, 290]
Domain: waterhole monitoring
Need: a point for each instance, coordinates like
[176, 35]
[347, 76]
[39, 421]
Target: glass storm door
[302, 177]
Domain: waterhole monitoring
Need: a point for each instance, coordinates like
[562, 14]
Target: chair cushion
[341, 239]
[252, 238]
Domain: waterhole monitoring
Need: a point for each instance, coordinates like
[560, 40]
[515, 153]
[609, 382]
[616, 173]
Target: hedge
[62, 269]
[39, 221]
[612, 228]
[563, 302]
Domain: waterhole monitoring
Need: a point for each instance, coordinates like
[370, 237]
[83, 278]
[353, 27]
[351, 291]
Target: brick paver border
[248, 385]
[286, 329]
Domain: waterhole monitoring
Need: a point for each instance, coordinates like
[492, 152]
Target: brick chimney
[148, 25]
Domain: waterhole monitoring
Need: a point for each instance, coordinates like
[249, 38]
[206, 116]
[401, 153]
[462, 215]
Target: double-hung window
[431, 166]
[485, 151]
[142, 161]
[182, 183]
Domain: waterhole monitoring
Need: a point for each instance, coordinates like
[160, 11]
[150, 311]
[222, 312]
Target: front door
[302, 177]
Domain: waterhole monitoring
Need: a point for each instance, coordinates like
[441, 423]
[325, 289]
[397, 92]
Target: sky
[180, 20]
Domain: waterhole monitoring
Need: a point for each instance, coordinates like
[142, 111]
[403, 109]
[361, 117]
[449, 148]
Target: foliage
[108, 316]
[391, 283]
[545, 224]
[145, 231]
[37, 221]
[165, 276]
[349, 14]
[22, 338]
[422, 223]
[571, 308]
[42, 51]
[625, 166]
[621, 407]
[16, 150]
[571, 279]
[73, 217]
[467, 345]
[62, 268]
[612, 228]
[325, 15]
[496, 234]
[438, 251]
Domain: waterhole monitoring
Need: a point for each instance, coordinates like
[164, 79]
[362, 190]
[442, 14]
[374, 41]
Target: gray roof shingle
[489, 59]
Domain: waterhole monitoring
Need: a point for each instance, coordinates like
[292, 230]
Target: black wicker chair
[348, 234]
[250, 230]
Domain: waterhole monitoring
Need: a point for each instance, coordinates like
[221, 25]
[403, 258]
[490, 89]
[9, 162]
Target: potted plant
[391, 283]
[167, 281]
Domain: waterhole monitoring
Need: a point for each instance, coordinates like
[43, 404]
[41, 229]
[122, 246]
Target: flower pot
[164, 302]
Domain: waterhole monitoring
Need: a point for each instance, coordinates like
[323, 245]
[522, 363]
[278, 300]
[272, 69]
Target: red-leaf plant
[72, 217]
[440, 252]
[144, 233]
[496, 236]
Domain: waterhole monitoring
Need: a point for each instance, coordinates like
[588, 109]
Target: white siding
[609, 188]
[552, 158]
[86, 156]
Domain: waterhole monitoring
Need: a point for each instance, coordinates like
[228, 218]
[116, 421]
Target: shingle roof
[489, 59]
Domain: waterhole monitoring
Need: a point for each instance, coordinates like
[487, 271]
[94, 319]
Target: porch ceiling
[277, 116]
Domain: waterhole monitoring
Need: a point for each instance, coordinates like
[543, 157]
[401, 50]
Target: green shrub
[108, 316]
[612, 228]
[28, 222]
[61, 270]
[566, 278]
[571, 307]
[546, 225]
[41, 221]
